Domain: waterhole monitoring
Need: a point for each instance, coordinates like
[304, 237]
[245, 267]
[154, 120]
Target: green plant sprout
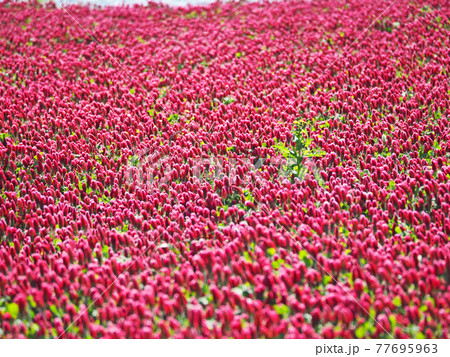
[301, 150]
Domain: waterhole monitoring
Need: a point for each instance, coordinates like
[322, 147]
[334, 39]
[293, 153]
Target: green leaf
[277, 263]
[13, 309]
[284, 151]
[303, 255]
[228, 100]
[391, 185]
[247, 257]
[191, 15]
[282, 310]
[173, 118]
[420, 335]
[105, 251]
[397, 301]
[31, 301]
[54, 310]
[360, 331]
[134, 160]
[271, 251]
[393, 321]
[34, 328]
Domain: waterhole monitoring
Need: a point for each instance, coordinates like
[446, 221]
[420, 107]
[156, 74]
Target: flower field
[252, 170]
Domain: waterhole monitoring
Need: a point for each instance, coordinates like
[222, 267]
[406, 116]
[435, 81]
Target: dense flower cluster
[357, 247]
